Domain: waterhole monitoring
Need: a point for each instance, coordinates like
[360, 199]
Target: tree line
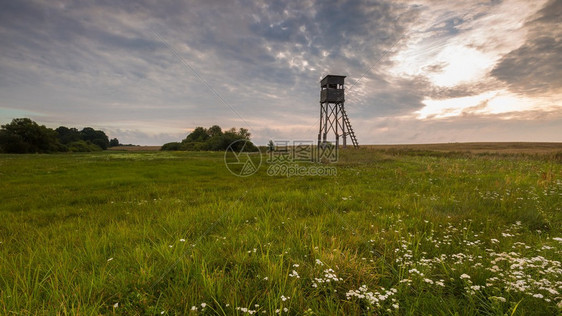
[213, 139]
[23, 135]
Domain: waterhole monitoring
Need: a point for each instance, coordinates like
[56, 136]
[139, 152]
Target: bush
[194, 146]
[171, 146]
[213, 139]
[82, 146]
[13, 143]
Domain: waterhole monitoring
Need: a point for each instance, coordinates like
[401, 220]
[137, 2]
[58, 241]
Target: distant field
[505, 148]
[398, 230]
[134, 148]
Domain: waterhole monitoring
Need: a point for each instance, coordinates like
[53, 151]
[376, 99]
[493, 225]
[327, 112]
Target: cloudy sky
[148, 72]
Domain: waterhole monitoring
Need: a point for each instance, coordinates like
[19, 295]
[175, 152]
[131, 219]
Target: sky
[148, 72]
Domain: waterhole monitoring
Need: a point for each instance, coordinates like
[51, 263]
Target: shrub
[171, 146]
[83, 146]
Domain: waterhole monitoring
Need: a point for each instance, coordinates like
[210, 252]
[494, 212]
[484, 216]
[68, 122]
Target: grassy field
[396, 231]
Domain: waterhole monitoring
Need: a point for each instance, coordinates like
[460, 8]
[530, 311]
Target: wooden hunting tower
[333, 117]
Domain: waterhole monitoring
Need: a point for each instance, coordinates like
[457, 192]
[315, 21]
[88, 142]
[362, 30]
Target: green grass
[393, 233]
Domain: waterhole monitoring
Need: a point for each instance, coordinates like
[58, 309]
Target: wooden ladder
[349, 130]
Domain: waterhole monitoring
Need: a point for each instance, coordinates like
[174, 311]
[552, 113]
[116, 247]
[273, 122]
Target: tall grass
[175, 233]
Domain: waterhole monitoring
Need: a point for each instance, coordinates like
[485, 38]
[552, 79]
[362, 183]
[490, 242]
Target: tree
[12, 143]
[243, 132]
[114, 142]
[67, 135]
[96, 137]
[23, 135]
[214, 130]
[213, 138]
[229, 138]
[199, 134]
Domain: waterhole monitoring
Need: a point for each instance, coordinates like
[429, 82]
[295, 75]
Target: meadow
[396, 231]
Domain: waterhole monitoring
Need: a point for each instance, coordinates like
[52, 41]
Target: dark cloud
[439, 67]
[535, 67]
[461, 90]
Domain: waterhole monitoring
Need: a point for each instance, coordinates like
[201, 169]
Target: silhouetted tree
[12, 143]
[214, 130]
[96, 137]
[67, 135]
[213, 138]
[114, 142]
[23, 135]
[243, 132]
[199, 134]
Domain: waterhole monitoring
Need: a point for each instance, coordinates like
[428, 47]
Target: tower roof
[333, 76]
[332, 79]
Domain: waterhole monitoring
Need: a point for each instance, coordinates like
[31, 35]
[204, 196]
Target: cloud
[149, 71]
[534, 68]
[538, 125]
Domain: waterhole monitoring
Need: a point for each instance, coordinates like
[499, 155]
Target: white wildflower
[294, 274]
